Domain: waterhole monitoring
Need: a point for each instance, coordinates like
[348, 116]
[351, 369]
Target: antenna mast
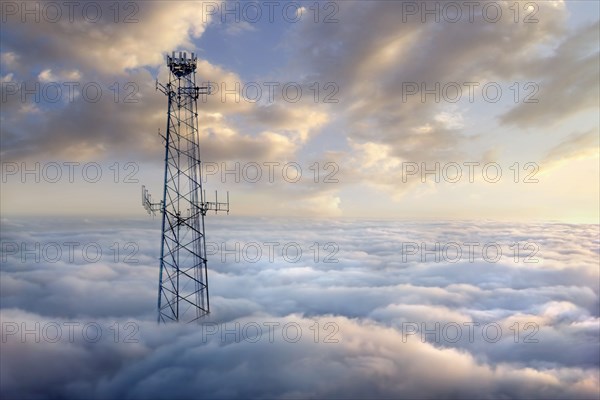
[183, 281]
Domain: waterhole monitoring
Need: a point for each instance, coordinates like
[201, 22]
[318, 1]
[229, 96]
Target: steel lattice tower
[183, 281]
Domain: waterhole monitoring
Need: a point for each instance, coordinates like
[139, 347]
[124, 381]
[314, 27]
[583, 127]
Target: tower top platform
[182, 65]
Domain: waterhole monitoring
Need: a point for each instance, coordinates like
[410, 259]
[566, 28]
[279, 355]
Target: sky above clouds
[361, 67]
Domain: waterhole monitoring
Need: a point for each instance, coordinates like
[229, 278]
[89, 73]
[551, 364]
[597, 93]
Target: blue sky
[372, 132]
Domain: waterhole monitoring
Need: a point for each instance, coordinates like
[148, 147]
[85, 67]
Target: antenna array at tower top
[181, 65]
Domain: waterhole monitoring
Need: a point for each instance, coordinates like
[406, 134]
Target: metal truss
[183, 282]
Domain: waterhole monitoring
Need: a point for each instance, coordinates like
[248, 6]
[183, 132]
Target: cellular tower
[183, 279]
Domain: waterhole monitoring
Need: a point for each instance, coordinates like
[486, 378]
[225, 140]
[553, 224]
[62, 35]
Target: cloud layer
[368, 321]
